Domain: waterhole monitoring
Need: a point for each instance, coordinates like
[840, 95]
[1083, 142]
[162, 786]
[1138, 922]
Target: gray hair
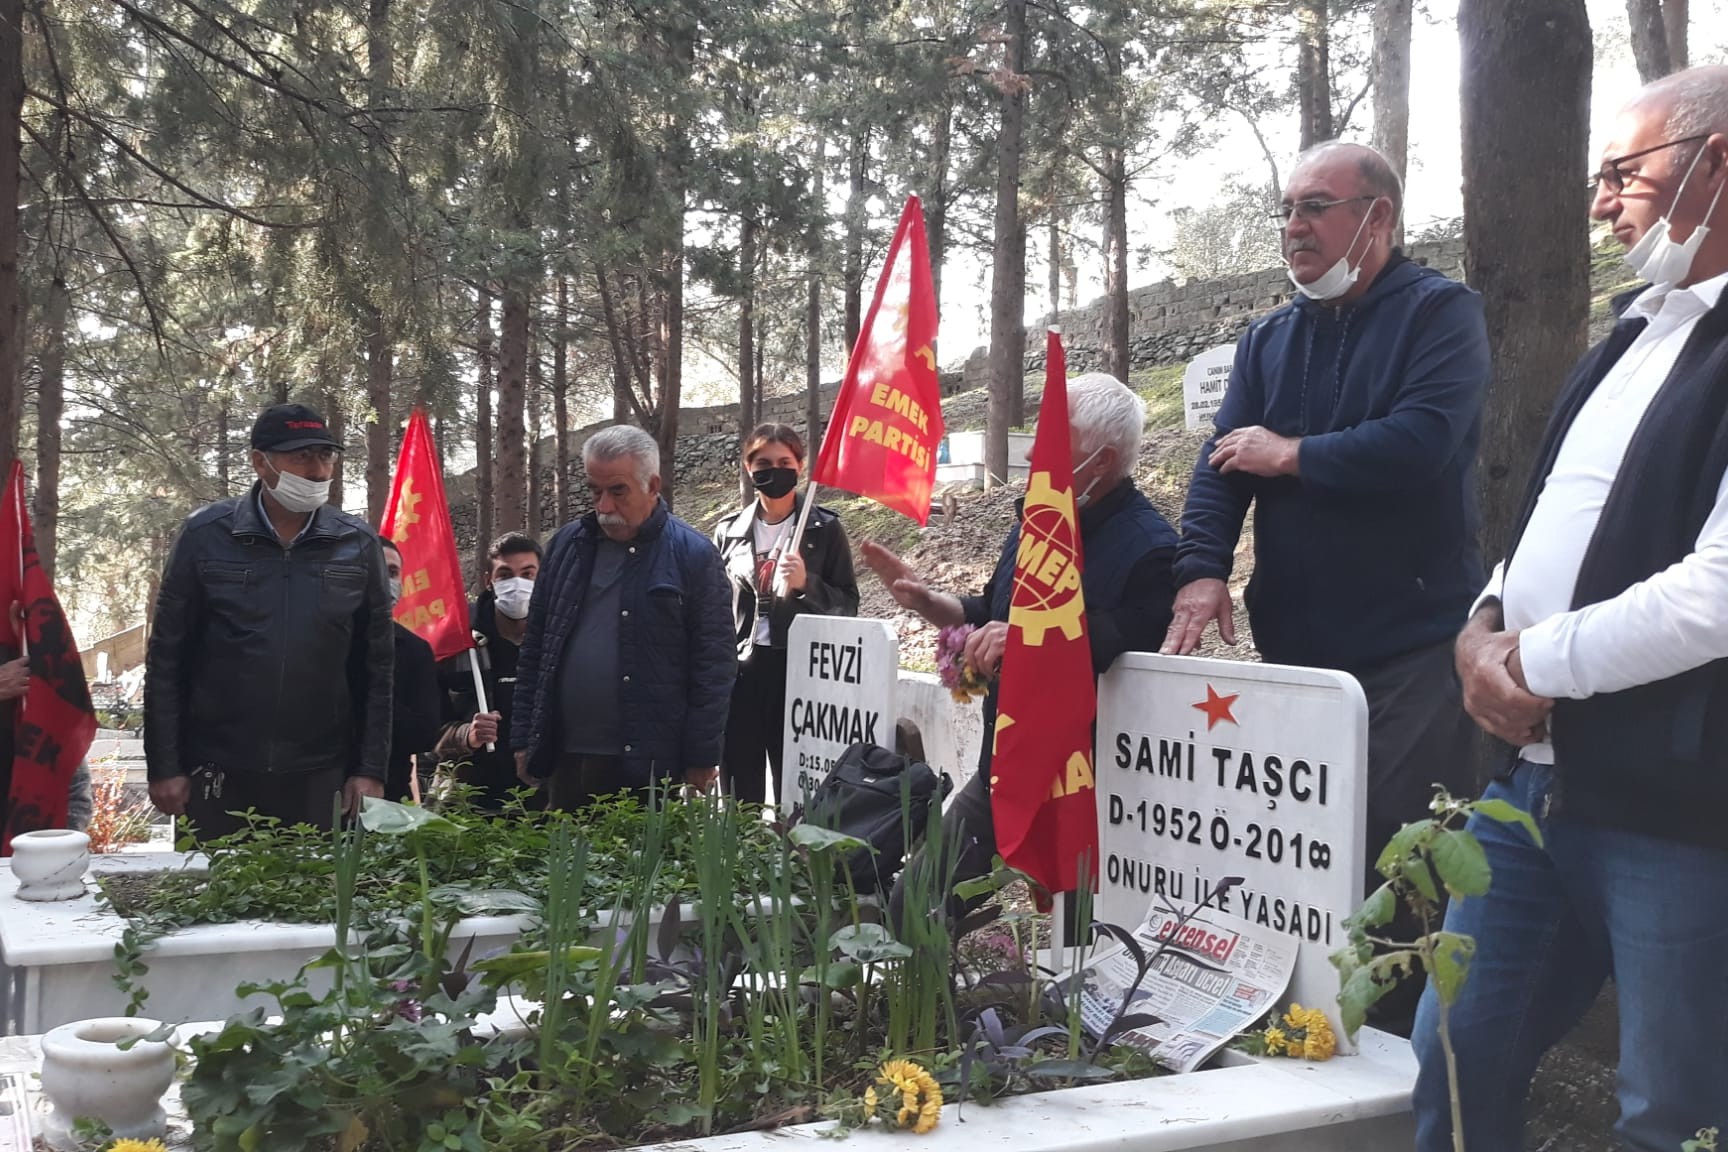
[1696, 99]
[1378, 177]
[620, 441]
[1105, 413]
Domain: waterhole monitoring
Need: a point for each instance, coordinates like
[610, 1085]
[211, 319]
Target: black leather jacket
[270, 658]
[830, 585]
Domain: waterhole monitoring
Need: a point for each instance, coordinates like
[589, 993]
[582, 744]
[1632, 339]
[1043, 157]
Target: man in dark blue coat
[1128, 548]
[1351, 424]
[626, 669]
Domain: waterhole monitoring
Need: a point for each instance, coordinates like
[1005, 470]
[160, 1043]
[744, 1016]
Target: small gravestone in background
[840, 678]
[1203, 385]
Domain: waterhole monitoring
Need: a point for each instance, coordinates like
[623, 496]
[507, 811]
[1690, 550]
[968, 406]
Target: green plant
[1423, 858]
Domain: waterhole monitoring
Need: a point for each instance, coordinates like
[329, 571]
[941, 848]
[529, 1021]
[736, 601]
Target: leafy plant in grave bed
[743, 1015]
[486, 865]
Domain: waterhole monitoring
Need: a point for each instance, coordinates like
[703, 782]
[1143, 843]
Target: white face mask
[512, 594]
[1339, 278]
[298, 494]
[1658, 257]
[1081, 500]
[395, 589]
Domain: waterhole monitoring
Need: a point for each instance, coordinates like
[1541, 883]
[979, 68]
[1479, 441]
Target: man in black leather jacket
[268, 677]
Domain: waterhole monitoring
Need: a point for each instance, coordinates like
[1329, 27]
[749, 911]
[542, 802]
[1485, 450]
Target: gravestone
[1215, 768]
[840, 677]
[1203, 385]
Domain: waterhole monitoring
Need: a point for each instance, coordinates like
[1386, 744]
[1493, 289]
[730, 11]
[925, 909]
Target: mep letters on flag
[1041, 780]
[55, 721]
[417, 520]
[887, 420]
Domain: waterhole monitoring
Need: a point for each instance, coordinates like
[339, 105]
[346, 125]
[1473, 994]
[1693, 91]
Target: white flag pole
[479, 688]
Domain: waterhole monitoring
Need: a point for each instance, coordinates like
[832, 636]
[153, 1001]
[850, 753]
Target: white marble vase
[50, 864]
[85, 1073]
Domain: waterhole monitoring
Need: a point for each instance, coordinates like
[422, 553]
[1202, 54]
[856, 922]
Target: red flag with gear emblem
[55, 720]
[433, 604]
[1041, 784]
[887, 420]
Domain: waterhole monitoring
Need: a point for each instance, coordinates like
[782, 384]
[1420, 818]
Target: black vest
[1653, 758]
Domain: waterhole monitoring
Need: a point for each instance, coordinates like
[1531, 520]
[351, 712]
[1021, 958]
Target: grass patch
[1161, 388]
[867, 520]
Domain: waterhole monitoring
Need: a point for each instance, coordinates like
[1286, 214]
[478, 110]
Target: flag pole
[479, 688]
[20, 623]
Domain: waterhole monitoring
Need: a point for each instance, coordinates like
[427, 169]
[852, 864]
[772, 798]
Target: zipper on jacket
[282, 658]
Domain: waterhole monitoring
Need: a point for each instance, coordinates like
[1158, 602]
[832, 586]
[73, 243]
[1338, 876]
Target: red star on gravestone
[1217, 707]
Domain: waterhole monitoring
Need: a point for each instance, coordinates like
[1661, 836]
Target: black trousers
[755, 727]
[580, 778]
[291, 797]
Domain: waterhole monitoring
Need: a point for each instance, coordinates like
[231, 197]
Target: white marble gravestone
[840, 678]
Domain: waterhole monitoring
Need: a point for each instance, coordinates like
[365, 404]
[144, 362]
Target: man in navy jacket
[1351, 423]
[626, 669]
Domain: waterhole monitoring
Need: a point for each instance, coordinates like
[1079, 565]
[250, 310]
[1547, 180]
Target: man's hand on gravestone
[908, 588]
[1490, 671]
[1197, 605]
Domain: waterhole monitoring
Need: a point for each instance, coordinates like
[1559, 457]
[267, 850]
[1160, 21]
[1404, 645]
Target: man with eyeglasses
[1351, 424]
[268, 674]
[1600, 651]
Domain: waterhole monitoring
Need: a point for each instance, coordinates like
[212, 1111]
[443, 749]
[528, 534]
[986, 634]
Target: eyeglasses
[1611, 177]
[321, 453]
[1311, 209]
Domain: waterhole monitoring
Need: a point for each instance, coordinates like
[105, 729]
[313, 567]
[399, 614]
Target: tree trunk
[746, 340]
[1525, 75]
[1674, 18]
[1008, 264]
[813, 307]
[561, 407]
[536, 523]
[1649, 39]
[11, 296]
[509, 492]
[483, 436]
[672, 368]
[1390, 75]
[224, 451]
[378, 430]
[936, 208]
[620, 356]
[338, 422]
[50, 405]
[1116, 349]
[1314, 71]
[853, 272]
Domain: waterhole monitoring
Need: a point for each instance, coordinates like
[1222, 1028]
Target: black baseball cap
[285, 427]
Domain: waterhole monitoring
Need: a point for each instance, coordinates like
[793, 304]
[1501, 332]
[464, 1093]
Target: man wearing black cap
[268, 675]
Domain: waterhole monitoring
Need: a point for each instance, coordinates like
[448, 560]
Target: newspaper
[1216, 975]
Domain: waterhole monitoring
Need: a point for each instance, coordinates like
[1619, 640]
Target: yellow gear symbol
[1043, 501]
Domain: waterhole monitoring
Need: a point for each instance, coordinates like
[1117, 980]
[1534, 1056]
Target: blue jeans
[1557, 921]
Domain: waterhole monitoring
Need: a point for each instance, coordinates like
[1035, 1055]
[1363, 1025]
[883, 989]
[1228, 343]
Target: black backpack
[881, 798]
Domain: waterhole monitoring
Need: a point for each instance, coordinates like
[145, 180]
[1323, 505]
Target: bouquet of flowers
[962, 680]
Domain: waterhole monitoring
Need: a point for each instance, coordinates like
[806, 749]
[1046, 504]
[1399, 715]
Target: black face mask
[774, 482]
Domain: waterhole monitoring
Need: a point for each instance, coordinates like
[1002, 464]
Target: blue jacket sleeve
[525, 709]
[1440, 400]
[713, 655]
[1217, 504]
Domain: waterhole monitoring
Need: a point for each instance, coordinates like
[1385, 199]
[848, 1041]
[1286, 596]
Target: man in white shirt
[1600, 650]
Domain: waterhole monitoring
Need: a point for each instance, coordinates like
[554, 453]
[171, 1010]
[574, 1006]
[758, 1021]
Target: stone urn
[85, 1073]
[50, 864]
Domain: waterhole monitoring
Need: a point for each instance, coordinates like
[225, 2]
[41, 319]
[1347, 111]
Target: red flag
[417, 521]
[1041, 787]
[56, 721]
[887, 419]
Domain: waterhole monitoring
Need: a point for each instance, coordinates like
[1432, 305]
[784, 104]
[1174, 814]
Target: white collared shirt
[1660, 627]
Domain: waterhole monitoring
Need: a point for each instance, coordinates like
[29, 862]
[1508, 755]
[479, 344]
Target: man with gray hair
[626, 668]
[1127, 584]
[1599, 650]
[1351, 423]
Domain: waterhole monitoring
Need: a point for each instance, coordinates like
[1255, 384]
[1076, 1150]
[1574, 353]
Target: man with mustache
[1600, 651]
[626, 668]
[1351, 424]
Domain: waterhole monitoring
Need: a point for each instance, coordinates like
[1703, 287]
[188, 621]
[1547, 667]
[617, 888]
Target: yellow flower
[870, 1102]
[1296, 1018]
[1320, 1042]
[137, 1146]
[1275, 1040]
[920, 1096]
